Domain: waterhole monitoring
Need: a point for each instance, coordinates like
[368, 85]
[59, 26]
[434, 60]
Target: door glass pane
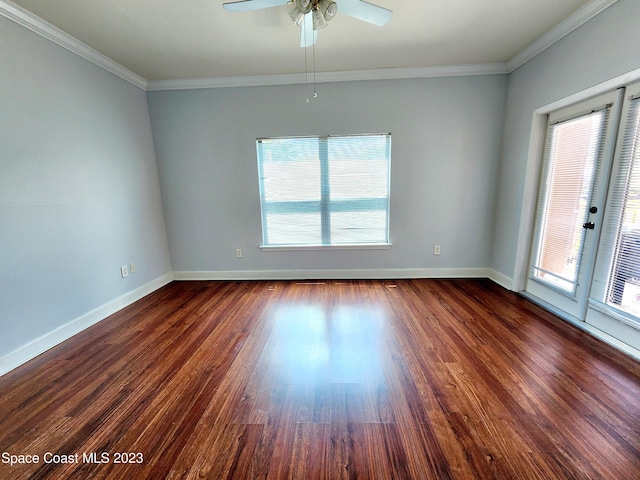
[624, 283]
[569, 173]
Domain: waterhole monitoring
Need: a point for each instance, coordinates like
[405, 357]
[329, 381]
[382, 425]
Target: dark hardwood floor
[408, 379]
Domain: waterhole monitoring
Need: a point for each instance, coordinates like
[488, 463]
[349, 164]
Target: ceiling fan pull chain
[306, 68]
[315, 93]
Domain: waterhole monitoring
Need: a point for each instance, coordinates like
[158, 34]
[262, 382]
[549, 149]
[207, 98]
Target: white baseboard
[601, 335]
[501, 279]
[34, 348]
[385, 273]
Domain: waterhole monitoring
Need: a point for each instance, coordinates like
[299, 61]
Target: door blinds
[570, 170]
[617, 276]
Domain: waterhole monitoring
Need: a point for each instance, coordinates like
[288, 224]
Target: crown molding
[37, 25]
[555, 34]
[30, 21]
[329, 77]
[561, 30]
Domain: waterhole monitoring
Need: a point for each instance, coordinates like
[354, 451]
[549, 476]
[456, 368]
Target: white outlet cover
[124, 271]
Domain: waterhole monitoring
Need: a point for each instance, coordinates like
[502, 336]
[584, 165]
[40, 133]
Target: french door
[616, 284]
[579, 146]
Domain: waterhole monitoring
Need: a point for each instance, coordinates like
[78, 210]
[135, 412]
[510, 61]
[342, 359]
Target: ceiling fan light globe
[319, 22]
[297, 16]
[304, 6]
[329, 8]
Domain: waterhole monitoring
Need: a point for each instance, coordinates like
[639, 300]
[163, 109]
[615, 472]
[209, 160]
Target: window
[324, 191]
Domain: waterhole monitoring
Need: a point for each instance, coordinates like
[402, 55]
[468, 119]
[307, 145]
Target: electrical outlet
[124, 271]
[132, 267]
[436, 249]
[238, 252]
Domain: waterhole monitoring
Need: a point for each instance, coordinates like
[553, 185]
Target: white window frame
[325, 200]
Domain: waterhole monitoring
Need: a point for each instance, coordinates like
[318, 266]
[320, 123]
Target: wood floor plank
[425, 379]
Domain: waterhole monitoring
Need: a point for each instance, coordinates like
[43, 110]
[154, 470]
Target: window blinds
[331, 190]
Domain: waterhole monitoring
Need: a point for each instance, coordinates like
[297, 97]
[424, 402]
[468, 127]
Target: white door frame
[534, 161]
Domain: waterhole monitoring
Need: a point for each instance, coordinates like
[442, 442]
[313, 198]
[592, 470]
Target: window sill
[359, 246]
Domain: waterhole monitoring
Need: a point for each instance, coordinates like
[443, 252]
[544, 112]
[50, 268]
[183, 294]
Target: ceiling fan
[313, 15]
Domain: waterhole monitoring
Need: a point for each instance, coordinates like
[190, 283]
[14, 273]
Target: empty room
[320, 239]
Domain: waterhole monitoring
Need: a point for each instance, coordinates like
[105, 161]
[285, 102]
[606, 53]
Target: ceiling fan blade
[367, 12]
[308, 36]
[246, 5]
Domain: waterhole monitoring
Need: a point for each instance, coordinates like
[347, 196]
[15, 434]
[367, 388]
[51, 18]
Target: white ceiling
[190, 39]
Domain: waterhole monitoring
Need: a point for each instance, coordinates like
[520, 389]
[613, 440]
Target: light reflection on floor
[321, 365]
[311, 344]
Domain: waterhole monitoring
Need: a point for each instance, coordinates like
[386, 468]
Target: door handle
[589, 225]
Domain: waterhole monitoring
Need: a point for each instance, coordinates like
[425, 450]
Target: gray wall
[602, 49]
[446, 136]
[79, 191]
